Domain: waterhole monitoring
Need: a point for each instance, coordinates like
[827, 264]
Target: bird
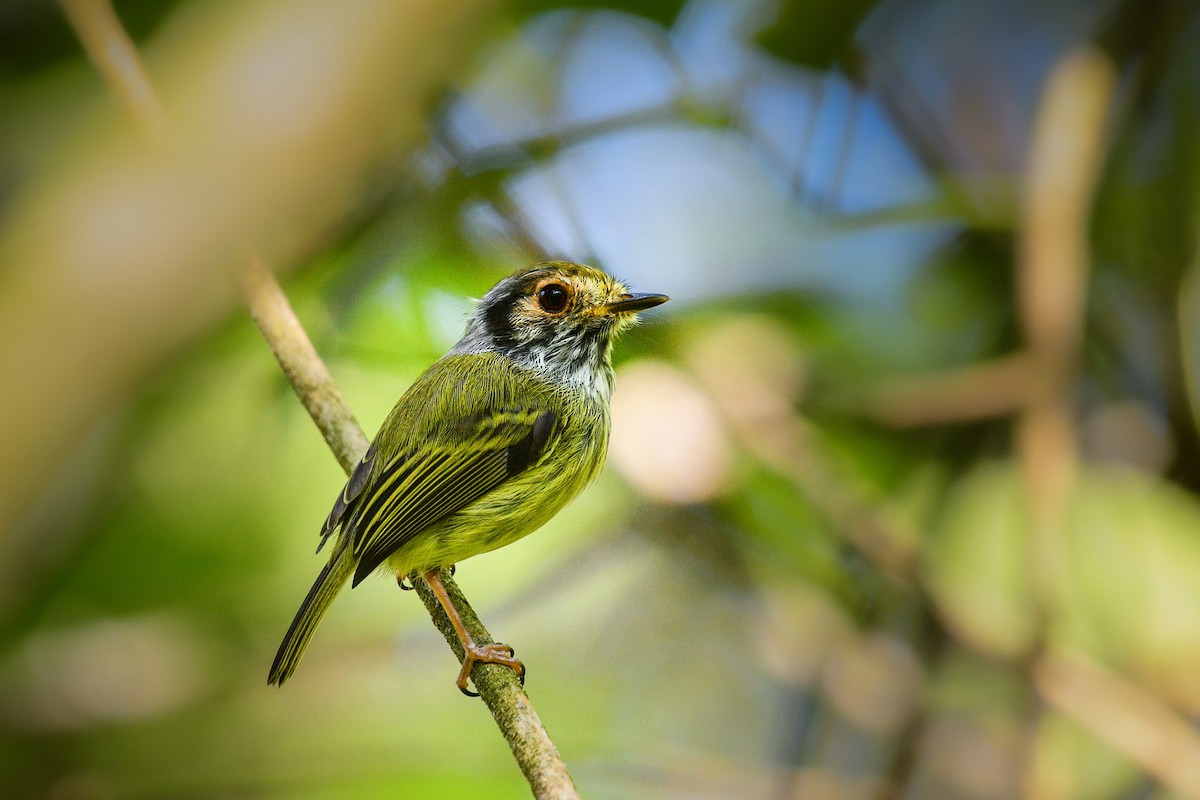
[488, 444]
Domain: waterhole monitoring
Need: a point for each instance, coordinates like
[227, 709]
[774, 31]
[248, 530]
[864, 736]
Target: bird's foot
[474, 654]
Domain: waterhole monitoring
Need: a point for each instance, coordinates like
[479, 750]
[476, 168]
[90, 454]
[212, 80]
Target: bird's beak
[629, 303]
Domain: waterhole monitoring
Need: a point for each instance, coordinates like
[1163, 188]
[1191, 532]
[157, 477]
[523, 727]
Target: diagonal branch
[531, 745]
[110, 49]
[298, 359]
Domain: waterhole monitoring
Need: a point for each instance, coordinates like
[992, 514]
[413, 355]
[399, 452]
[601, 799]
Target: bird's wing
[350, 493]
[443, 475]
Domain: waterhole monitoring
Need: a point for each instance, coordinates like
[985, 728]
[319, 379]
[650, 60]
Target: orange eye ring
[553, 297]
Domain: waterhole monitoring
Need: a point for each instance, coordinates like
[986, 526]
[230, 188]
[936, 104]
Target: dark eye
[553, 297]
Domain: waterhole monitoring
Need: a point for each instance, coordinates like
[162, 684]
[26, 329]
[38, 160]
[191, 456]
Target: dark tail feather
[326, 587]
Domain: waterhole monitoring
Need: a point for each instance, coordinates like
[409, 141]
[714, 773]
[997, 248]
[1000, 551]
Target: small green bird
[488, 444]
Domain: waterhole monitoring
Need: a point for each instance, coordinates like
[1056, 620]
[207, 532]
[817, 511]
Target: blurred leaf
[1126, 590]
[978, 562]
[814, 34]
[1129, 593]
[783, 522]
[1189, 338]
[663, 12]
[1073, 760]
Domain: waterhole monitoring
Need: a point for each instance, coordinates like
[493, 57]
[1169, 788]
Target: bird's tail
[326, 587]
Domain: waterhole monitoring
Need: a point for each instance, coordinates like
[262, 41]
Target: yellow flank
[523, 503]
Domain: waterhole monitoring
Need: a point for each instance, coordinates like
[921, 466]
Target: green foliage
[1123, 575]
[663, 12]
[814, 34]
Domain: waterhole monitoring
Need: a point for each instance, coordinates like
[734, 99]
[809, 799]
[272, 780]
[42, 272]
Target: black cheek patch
[498, 319]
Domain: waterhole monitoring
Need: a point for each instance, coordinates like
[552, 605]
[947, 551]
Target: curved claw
[404, 584]
[501, 654]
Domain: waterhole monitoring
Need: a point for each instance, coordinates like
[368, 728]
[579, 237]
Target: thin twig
[298, 359]
[109, 47]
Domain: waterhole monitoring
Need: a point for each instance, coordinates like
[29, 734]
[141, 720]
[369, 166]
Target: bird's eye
[553, 297]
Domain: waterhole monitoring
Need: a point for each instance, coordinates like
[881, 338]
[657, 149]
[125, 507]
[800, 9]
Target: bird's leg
[472, 653]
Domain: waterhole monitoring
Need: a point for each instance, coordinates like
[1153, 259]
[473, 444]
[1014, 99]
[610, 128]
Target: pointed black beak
[630, 303]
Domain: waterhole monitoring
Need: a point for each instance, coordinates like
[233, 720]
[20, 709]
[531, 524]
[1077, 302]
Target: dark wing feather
[421, 489]
[524, 452]
[353, 487]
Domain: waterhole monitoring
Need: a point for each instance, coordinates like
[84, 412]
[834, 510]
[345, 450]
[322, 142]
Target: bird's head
[557, 318]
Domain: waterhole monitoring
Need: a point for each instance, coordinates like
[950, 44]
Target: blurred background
[902, 494]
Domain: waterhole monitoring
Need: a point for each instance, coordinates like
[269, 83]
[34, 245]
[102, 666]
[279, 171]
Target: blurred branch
[110, 49]
[940, 208]
[1066, 156]
[1125, 716]
[1035, 382]
[990, 389]
[109, 247]
[1038, 382]
[108, 45]
[519, 154]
